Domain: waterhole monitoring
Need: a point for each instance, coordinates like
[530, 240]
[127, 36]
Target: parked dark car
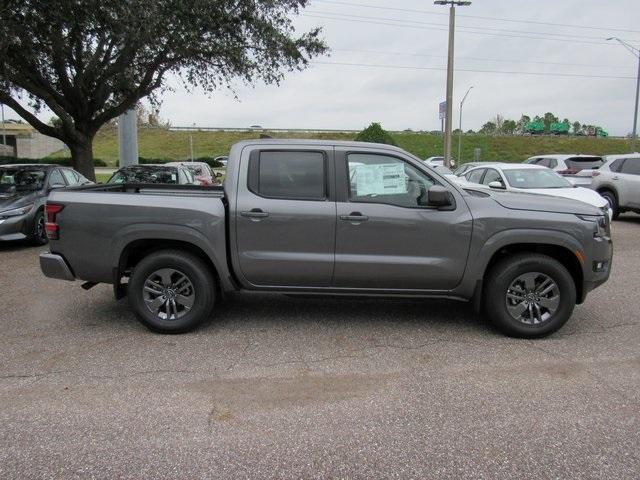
[162, 174]
[23, 191]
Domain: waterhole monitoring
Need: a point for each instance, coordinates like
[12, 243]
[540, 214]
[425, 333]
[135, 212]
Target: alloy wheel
[168, 294]
[532, 298]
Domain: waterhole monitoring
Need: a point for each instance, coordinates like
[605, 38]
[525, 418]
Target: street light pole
[452, 25]
[636, 53]
[460, 127]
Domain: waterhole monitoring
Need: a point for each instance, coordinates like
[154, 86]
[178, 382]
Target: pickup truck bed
[346, 218]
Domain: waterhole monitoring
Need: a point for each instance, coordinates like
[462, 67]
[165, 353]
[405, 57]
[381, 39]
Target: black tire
[610, 197]
[507, 271]
[201, 285]
[38, 234]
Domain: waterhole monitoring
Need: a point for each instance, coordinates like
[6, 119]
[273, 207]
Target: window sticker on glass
[173, 177]
[381, 179]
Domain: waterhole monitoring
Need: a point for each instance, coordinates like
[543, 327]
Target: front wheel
[529, 295]
[39, 233]
[171, 291]
[611, 200]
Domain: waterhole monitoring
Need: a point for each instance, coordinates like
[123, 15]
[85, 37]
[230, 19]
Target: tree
[577, 127]
[488, 128]
[549, 118]
[498, 121]
[374, 133]
[89, 61]
[524, 119]
[508, 127]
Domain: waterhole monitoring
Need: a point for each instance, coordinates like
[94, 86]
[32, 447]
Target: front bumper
[54, 266]
[14, 228]
[602, 251]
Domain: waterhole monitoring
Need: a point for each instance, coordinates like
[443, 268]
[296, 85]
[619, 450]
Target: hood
[11, 201]
[576, 193]
[542, 203]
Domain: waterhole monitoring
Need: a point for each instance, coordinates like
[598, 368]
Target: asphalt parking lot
[276, 387]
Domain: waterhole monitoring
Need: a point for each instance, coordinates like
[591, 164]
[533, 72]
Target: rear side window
[492, 176]
[631, 166]
[475, 176]
[56, 178]
[70, 176]
[288, 175]
[615, 165]
[580, 163]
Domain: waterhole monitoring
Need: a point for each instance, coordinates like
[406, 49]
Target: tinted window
[70, 176]
[56, 178]
[543, 161]
[553, 163]
[384, 179]
[580, 163]
[476, 175]
[631, 166]
[288, 174]
[615, 166]
[492, 176]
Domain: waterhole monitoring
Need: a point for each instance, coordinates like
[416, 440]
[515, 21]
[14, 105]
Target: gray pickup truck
[329, 218]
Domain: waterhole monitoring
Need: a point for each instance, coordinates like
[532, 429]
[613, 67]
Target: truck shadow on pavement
[260, 311]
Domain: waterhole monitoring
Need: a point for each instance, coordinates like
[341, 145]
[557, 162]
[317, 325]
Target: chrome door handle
[255, 213]
[354, 217]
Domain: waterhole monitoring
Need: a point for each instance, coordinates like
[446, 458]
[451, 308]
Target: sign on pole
[442, 110]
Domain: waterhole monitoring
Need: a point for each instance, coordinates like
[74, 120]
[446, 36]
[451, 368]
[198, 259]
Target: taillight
[595, 174]
[51, 210]
[569, 171]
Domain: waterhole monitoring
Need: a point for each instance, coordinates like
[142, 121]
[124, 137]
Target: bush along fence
[47, 160]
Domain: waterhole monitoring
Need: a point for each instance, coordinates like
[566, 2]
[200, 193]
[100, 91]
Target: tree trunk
[82, 158]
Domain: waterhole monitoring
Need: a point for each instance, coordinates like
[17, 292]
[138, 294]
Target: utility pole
[636, 53]
[128, 138]
[460, 127]
[452, 26]
[4, 135]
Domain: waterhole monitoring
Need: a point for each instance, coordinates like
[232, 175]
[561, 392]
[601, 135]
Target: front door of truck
[286, 217]
[387, 237]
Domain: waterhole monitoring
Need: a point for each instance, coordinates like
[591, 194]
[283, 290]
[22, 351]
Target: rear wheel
[529, 295]
[610, 197]
[171, 291]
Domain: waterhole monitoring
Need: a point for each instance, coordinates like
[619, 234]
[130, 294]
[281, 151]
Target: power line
[512, 72]
[444, 29]
[532, 22]
[483, 28]
[383, 52]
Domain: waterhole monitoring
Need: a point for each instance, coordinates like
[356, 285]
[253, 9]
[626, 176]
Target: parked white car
[618, 181]
[533, 179]
[438, 162]
[569, 166]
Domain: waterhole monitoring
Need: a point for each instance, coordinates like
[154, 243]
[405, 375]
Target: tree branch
[31, 118]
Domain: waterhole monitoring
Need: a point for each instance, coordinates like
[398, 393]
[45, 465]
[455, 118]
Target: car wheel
[171, 291]
[610, 197]
[39, 233]
[529, 295]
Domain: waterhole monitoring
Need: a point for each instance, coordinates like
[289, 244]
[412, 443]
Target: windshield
[19, 180]
[535, 178]
[146, 175]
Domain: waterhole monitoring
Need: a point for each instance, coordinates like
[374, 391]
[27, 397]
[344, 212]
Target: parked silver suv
[618, 181]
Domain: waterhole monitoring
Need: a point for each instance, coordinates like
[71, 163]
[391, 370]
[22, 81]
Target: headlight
[601, 224]
[16, 211]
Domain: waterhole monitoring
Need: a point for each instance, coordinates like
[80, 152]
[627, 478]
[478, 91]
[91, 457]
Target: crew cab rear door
[286, 216]
[386, 235]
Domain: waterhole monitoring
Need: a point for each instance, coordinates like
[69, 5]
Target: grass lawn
[167, 144]
[102, 177]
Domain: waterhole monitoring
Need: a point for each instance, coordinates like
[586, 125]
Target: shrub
[374, 133]
[65, 161]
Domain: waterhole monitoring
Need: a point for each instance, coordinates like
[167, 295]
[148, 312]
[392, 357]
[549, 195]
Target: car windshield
[147, 174]
[535, 178]
[20, 180]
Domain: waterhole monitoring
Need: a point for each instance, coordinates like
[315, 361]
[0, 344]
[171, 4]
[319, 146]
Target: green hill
[168, 144]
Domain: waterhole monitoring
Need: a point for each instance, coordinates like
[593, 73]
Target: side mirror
[497, 185]
[438, 196]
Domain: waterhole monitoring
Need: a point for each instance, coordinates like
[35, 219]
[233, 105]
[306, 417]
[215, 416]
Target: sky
[388, 59]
